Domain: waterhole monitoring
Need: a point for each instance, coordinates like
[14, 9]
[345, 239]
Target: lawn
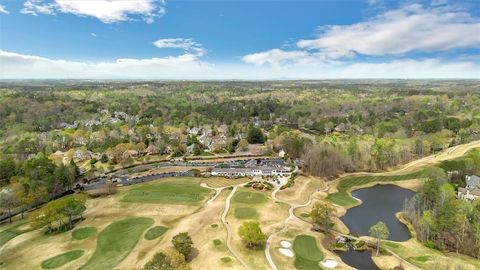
[249, 197]
[216, 182]
[12, 232]
[307, 253]
[84, 233]
[171, 192]
[426, 258]
[155, 232]
[62, 259]
[343, 198]
[116, 241]
[245, 213]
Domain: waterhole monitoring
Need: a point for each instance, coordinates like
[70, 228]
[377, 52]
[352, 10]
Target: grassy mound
[116, 241]
[245, 213]
[155, 232]
[83, 233]
[343, 198]
[167, 192]
[62, 259]
[250, 197]
[307, 253]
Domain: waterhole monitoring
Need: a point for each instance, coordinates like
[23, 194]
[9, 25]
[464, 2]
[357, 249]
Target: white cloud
[15, 65]
[408, 29]
[3, 9]
[186, 44]
[108, 11]
[189, 66]
[93, 34]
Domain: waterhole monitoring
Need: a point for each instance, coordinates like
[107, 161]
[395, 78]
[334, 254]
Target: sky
[239, 39]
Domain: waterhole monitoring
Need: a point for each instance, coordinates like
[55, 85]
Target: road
[229, 231]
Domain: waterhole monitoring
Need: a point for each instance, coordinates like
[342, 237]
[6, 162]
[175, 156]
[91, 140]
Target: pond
[379, 203]
[362, 260]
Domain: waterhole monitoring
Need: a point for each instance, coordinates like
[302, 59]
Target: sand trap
[286, 252]
[285, 244]
[329, 263]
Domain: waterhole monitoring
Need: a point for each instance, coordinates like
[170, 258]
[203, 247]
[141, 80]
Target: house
[281, 153]
[469, 194]
[472, 181]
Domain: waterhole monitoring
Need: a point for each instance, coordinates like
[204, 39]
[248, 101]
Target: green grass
[420, 258]
[307, 253]
[12, 232]
[84, 233]
[155, 232]
[214, 226]
[343, 198]
[62, 259]
[250, 197]
[167, 193]
[302, 264]
[116, 241]
[226, 259]
[245, 213]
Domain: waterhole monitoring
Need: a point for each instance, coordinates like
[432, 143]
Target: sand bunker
[286, 252]
[285, 244]
[329, 263]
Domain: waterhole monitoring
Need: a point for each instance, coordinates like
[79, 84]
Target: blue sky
[154, 39]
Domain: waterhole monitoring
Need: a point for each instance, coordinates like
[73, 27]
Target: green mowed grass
[167, 192]
[302, 264]
[62, 259]
[249, 197]
[307, 253]
[245, 213]
[155, 232]
[12, 232]
[343, 198]
[116, 241]
[84, 233]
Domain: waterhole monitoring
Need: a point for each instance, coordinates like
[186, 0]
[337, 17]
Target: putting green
[245, 213]
[250, 197]
[116, 241]
[307, 253]
[167, 192]
[62, 259]
[155, 232]
[83, 233]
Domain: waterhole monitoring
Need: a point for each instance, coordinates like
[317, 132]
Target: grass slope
[245, 213]
[250, 197]
[84, 233]
[155, 232]
[116, 241]
[12, 232]
[62, 259]
[343, 198]
[167, 192]
[307, 253]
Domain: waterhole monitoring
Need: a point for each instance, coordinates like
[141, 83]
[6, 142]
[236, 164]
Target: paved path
[229, 231]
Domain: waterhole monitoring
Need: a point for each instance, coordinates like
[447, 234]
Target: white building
[251, 171]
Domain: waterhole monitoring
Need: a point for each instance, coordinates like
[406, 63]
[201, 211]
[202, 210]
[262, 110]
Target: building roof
[472, 181]
[474, 191]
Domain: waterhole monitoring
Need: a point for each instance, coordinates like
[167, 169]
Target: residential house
[469, 194]
[472, 189]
